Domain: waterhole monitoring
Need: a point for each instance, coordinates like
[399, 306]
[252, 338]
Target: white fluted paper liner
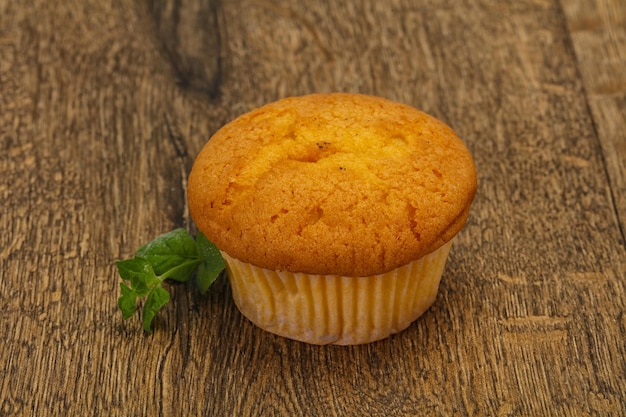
[323, 309]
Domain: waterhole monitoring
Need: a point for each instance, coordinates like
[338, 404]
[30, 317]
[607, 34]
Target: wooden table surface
[105, 103]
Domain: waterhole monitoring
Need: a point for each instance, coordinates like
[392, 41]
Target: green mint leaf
[183, 271]
[206, 276]
[139, 273]
[212, 263]
[157, 298]
[127, 301]
[173, 254]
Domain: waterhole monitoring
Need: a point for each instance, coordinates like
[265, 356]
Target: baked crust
[343, 184]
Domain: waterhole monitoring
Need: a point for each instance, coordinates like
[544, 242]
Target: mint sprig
[174, 255]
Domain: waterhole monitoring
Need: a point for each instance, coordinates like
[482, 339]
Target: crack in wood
[184, 163]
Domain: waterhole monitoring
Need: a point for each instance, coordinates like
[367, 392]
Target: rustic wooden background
[104, 104]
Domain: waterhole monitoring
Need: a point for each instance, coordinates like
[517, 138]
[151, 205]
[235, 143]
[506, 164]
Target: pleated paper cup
[334, 309]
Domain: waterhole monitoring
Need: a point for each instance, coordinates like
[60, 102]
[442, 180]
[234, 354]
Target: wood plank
[96, 139]
[598, 31]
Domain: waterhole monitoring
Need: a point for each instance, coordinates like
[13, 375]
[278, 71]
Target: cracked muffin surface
[343, 184]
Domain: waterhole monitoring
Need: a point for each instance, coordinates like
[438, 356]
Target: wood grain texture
[98, 133]
[598, 31]
[190, 37]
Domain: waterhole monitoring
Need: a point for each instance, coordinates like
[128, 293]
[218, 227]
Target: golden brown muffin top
[342, 184]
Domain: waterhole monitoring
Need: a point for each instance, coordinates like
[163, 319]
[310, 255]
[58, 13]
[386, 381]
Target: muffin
[334, 213]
